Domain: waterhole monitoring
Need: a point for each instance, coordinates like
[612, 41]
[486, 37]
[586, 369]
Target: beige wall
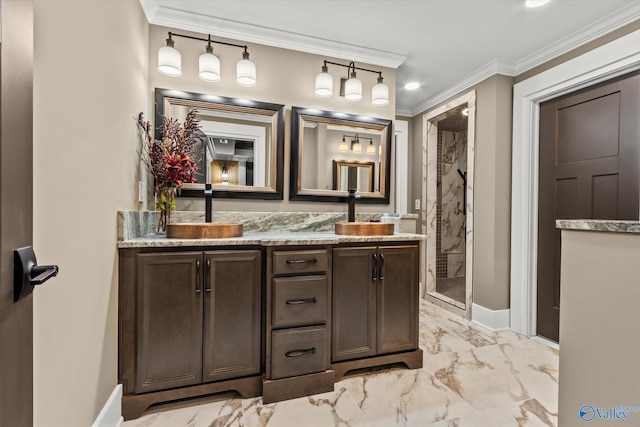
[90, 81]
[284, 77]
[492, 188]
[599, 324]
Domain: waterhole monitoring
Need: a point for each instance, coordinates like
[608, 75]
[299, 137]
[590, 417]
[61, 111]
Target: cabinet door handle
[301, 301]
[302, 261]
[197, 276]
[298, 353]
[374, 269]
[381, 274]
[207, 286]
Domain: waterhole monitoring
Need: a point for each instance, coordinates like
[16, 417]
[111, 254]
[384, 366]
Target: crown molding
[189, 21]
[404, 111]
[599, 28]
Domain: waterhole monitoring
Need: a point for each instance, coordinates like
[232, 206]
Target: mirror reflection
[242, 153]
[332, 152]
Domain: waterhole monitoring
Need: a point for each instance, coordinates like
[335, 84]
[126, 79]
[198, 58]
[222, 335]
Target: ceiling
[446, 45]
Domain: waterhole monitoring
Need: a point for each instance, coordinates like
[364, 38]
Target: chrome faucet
[208, 196]
[351, 200]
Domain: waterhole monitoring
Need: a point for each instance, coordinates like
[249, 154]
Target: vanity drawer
[297, 262]
[298, 351]
[299, 301]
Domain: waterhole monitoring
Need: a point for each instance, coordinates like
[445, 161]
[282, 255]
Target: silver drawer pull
[298, 353]
[302, 261]
[301, 301]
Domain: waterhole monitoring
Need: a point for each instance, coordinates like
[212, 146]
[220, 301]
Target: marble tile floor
[471, 377]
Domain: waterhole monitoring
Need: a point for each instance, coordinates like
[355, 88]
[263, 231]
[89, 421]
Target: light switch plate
[417, 204]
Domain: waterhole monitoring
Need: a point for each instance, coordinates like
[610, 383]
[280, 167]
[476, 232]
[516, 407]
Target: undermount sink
[364, 228]
[204, 230]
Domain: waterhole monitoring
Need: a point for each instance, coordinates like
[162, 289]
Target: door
[354, 303]
[16, 194]
[232, 314]
[169, 320]
[588, 170]
[397, 306]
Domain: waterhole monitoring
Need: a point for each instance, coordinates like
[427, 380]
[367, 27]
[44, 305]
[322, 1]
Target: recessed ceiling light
[412, 86]
[535, 3]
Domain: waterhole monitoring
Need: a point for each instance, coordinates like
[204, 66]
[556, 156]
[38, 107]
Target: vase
[166, 202]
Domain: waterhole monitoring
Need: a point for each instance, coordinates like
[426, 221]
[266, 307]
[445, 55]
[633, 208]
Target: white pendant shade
[357, 147]
[353, 91]
[324, 85]
[169, 61]
[380, 94]
[246, 72]
[371, 149]
[344, 146]
[209, 69]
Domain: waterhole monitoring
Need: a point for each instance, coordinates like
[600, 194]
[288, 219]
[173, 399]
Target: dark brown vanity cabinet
[188, 318]
[375, 301]
[297, 323]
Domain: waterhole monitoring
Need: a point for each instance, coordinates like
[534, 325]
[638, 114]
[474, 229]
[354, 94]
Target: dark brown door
[397, 299]
[16, 194]
[589, 144]
[232, 315]
[354, 303]
[169, 323]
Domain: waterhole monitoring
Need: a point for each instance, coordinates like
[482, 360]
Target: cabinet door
[397, 299]
[169, 320]
[232, 315]
[354, 303]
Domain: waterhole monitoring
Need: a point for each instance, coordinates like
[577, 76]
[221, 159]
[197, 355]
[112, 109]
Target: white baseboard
[494, 320]
[111, 414]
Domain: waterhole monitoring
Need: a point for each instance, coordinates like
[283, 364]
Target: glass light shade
[357, 147]
[353, 89]
[344, 146]
[169, 61]
[324, 85]
[246, 72]
[209, 69]
[380, 94]
[371, 149]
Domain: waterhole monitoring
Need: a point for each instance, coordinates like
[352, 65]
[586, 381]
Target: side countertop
[612, 226]
[266, 239]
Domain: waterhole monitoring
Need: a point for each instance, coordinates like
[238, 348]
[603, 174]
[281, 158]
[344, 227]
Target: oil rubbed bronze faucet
[208, 196]
[351, 200]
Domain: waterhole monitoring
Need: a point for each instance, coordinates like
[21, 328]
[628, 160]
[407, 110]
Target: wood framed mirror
[353, 174]
[242, 153]
[321, 139]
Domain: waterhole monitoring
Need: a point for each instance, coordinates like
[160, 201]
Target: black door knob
[27, 273]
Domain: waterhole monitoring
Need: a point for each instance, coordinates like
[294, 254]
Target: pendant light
[246, 71]
[324, 83]
[356, 147]
[169, 60]
[209, 65]
[224, 174]
[353, 86]
[380, 93]
[371, 149]
[344, 146]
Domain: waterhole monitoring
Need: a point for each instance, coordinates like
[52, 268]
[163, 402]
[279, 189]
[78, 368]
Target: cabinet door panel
[169, 323]
[232, 316]
[397, 299]
[354, 303]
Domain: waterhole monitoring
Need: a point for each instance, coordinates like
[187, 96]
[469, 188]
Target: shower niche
[448, 196]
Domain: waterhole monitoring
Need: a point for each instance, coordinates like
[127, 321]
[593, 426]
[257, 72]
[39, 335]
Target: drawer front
[300, 262]
[300, 301]
[298, 351]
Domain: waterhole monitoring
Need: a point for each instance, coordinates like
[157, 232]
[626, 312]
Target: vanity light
[343, 147]
[351, 88]
[224, 175]
[371, 149]
[356, 147]
[169, 61]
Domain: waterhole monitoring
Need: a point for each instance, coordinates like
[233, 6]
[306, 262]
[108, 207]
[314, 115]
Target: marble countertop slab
[612, 226]
[265, 239]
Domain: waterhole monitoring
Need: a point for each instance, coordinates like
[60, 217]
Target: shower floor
[452, 287]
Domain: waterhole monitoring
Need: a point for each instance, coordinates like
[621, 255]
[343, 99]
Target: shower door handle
[27, 273]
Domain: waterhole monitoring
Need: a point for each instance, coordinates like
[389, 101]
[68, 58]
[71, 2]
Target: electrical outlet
[141, 192]
[417, 204]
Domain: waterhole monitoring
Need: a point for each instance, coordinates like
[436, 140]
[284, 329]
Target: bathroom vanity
[281, 315]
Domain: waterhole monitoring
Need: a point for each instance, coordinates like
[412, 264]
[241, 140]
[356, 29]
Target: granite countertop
[612, 226]
[266, 239]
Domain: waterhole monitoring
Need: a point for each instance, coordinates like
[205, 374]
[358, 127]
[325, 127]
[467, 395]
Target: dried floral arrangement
[172, 160]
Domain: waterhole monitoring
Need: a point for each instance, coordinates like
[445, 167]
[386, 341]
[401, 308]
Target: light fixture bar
[351, 87]
[208, 40]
